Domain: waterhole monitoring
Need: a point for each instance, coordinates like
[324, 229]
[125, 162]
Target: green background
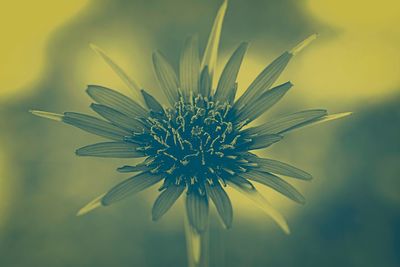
[352, 214]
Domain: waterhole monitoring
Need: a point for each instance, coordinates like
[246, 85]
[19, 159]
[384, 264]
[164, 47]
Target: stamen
[198, 137]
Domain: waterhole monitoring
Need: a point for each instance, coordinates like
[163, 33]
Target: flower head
[201, 142]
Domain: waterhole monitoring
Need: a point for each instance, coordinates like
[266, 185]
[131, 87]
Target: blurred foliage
[352, 215]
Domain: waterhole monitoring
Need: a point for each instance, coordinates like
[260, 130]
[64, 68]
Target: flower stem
[197, 245]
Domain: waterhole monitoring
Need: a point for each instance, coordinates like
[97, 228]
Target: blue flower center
[193, 142]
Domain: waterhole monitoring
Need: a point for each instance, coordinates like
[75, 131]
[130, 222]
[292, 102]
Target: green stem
[197, 245]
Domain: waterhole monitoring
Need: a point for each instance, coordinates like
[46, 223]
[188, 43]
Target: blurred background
[352, 214]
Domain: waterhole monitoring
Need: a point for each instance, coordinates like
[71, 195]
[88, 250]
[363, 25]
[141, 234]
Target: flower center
[193, 142]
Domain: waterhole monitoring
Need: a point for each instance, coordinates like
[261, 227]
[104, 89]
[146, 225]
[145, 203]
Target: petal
[232, 94]
[263, 141]
[166, 77]
[278, 167]
[222, 203]
[239, 183]
[211, 51]
[130, 186]
[152, 103]
[265, 206]
[205, 83]
[264, 81]
[94, 204]
[165, 200]
[137, 168]
[117, 118]
[189, 68]
[303, 44]
[47, 115]
[95, 126]
[322, 119]
[110, 150]
[229, 74]
[197, 210]
[263, 102]
[119, 71]
[275, 183]
[270, 74]
[117, 101]
[286, 123]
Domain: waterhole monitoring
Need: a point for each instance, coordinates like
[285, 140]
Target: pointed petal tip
[47, 115]
[94, 204]
[308, 177]
[80, 213]
[335, 116]
[303, 44]
[211, 52]
[286, 229]
[132, 84]
[123, 168]
[344, 114]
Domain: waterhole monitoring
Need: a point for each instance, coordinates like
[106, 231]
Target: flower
[202, 142]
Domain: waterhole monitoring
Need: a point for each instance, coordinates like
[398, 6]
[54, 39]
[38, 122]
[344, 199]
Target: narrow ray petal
[263, 102]
[211, 52]
[197, 210]
[130, 186]
[229, 74]
[152, 103]
[278, 167]
[222, 203]
[303, 44]
[275, 183]
[117, 118]
[205, 82]
[232, 93]
[110, 150]
[241, 184]
[265, 206]
[270, 74]
[116, 100]
[95, 126]
[47, 115]
[166, 200]
[285, 123]
[166, 77]
[263, 141]
[189, 68]
[94, 204]
[119, 71]
[263, 82]
[322, 119]
[137, 168]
